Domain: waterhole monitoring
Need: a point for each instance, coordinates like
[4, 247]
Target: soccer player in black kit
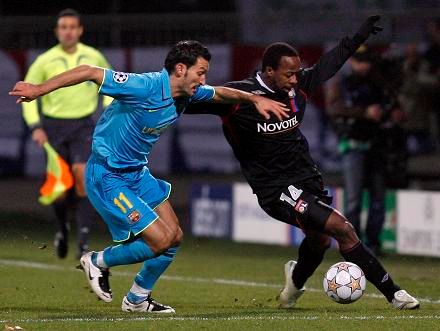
[276, 162]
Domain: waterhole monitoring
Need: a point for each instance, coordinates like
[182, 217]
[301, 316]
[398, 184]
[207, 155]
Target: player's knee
[342, 230]
[165, 241]
[179, 237]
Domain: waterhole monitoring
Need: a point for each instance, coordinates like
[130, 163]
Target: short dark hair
[186, 52]
[273, 53]
[69, 12]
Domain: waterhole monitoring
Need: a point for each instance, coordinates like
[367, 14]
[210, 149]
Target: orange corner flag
[58, 177]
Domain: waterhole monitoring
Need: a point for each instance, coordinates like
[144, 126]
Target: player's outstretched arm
[329, 63]
[263, 105]
[368, 27]
[28, 92]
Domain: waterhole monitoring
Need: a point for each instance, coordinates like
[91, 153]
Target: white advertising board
[418, 226]
[251, 223]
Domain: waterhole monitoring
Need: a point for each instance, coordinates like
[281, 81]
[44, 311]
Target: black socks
[374, 271]
[308, 260]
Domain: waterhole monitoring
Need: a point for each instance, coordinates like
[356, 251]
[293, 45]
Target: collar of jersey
[79, 47]
[166, 88]
[262, 83]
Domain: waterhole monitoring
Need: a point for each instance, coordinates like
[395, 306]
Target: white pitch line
[234, 282]
[230, 318]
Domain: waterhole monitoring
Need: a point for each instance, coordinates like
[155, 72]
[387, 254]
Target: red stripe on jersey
[293, 105]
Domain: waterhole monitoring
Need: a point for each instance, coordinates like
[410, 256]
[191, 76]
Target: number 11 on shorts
[122, 198]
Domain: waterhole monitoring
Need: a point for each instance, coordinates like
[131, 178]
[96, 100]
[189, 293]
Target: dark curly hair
[273, 53]
[186, 52]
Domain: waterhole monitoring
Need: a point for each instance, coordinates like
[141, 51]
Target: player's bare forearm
[74, 76]
[230, 95]
[28, 92]
[263, 105]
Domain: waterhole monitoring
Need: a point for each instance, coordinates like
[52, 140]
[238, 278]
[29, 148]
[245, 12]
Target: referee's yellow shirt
[66, 103]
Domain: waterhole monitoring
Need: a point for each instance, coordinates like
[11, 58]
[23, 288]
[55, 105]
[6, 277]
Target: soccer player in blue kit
[132, 202]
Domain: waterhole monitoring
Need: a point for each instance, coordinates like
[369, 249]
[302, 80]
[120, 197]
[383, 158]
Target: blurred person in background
[275, 159]
[416, 101]
[432, 74]
[66, 122]
[132, 202]
[356, 102]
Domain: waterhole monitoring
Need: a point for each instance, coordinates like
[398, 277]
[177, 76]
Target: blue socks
[134, 252]
[149, 274]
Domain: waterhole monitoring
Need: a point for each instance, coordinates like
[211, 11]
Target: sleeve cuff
[34, 126]
[358, 39]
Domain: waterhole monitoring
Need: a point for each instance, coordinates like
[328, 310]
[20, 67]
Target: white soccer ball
[344, 282]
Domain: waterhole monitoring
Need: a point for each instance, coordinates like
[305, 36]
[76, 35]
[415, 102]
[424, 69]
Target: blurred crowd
[410, 86]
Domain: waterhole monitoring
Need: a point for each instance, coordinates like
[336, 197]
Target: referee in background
[66, 121]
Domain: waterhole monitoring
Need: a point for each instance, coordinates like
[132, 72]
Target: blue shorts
[125, 199]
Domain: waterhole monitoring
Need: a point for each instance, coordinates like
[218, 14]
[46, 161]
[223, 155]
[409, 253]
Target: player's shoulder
[150, 80]
[247, 84]
[48, 54]
[89, 50]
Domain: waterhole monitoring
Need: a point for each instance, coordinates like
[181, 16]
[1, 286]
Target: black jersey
[271, 152]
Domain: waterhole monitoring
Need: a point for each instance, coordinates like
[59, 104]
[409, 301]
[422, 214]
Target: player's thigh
[155, 192]
[295, 205]
[80, 141]
[124, 212]
[166, 212]
[78, 171]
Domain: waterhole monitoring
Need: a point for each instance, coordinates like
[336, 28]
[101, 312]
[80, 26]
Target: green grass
[52, 295]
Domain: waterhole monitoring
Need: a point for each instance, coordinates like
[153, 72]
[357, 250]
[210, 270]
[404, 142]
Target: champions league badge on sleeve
[120, 77]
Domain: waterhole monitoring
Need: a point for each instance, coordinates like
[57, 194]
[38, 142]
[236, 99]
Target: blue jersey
[143, 108]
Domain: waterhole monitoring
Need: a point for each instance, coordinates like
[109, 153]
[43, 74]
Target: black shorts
[71, 138]
[303, 204]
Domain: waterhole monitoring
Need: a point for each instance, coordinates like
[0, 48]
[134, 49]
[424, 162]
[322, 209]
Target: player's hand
[369, 27]
[265, 106]
[39, 136]
[25, 91]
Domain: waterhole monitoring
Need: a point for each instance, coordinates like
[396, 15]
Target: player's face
[285, 77]
[68, 31]
[195, 76]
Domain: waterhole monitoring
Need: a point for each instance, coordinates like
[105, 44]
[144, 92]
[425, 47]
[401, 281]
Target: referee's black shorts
[71, 138]
[302, 204]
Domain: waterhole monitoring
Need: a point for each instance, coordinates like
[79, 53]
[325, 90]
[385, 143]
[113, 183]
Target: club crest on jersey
[134, 216]
[120, 77]
[301, 206]
[291, 93]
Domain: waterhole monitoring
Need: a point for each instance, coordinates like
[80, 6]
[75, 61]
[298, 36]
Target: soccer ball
[344, 282]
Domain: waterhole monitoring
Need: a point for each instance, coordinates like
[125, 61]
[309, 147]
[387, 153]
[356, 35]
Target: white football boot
[289, 294]
[97, 278]
[402, 300]
[149, 305]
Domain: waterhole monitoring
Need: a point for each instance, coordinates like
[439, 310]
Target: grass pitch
[213, 285]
